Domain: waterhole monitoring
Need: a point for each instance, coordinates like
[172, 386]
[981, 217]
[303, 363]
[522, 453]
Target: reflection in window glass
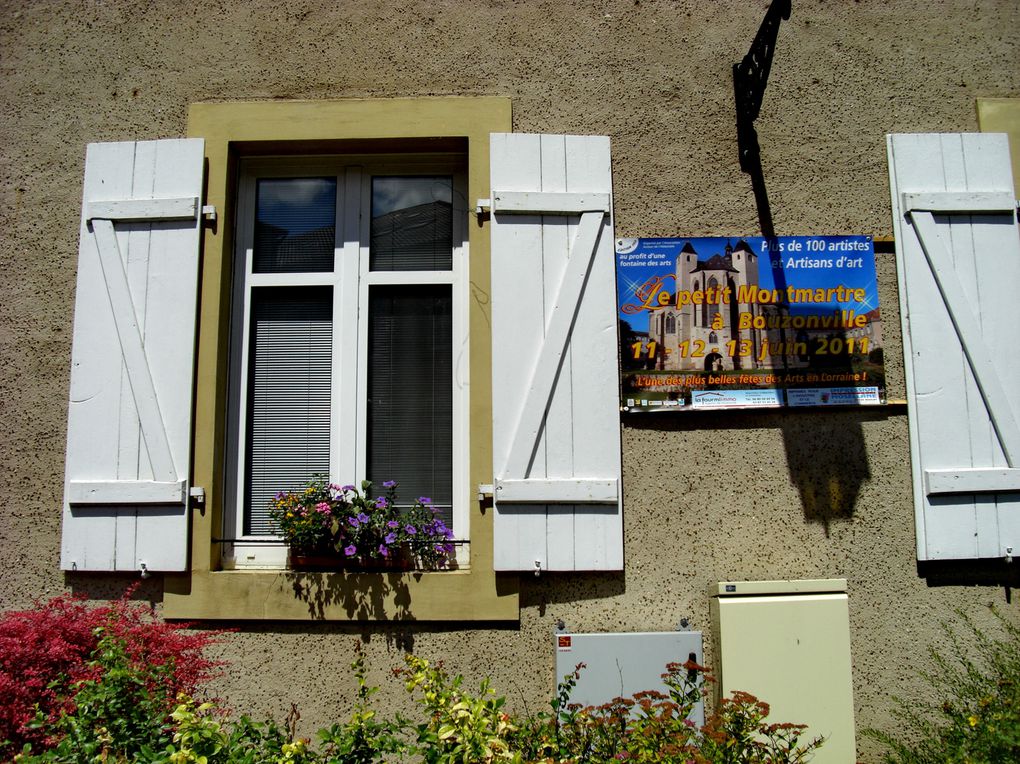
[412, 224]
[295, 225]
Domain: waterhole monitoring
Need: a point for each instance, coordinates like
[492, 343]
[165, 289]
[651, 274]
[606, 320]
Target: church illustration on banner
[720, 333]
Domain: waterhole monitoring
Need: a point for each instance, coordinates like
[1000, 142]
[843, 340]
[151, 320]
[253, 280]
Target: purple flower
[353, 521]
[362, 517]
[424, 500]
[411, 530]
[383, 550]
[390, 538]
[381, 503]
[347, 488]
[351, 550]
[390, 484]
[393, 524]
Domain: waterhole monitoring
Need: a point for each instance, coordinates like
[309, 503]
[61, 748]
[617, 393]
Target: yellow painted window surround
[235, 129]
[1002, 115]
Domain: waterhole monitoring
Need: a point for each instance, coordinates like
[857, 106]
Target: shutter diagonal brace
[549, 363]
[150, 418]
[968, 330]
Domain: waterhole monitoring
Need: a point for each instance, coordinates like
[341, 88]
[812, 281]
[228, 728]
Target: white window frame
[351, 281]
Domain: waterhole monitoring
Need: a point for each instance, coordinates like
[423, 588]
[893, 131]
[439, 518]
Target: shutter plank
[129, 418]
[974, 480]
[958, 268]
[555, 451]
[126, 314]
[517, 255]
[95, 386]
[560, 203]
[595, 368]
[184, 208]
[555, 418]
[982, 365]
[997, 514]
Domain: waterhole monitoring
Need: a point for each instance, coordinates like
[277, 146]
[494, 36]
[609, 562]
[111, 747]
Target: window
[348, 310]
[336, 328]
[238, 135]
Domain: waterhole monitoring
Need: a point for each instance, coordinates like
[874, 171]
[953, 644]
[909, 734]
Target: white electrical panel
[621, 664]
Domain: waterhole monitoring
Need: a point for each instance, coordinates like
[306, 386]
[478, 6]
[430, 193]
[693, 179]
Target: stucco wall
[707, 498]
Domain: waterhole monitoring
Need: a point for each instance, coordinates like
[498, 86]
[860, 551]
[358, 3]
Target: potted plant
[333, 527]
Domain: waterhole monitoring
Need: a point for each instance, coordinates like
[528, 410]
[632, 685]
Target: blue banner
[749, 323]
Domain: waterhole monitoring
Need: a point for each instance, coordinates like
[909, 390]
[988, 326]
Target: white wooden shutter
[958, 261]
[556, 428]
[132, 361]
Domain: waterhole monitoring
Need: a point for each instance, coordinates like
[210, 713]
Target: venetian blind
[289, 393]
[410, 392]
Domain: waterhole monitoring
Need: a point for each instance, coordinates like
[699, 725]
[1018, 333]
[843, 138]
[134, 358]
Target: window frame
[351, 281]
[236, 129]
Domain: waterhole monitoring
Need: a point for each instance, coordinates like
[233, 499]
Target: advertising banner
[721, 323]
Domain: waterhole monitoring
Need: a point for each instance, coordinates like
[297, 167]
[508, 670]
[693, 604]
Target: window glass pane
[295, 225]
[412, 224]
[289, 395]
[410, 392]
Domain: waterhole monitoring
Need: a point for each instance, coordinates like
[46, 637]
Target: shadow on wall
[555, 588]
[825, 451]
[828, 467]
[991, 572]
[361, 597]
[828, 462]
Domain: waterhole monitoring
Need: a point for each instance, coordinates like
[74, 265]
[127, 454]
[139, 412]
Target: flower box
[340, 528]
[399, 560]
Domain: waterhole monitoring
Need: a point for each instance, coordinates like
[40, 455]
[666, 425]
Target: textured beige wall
[707, 498]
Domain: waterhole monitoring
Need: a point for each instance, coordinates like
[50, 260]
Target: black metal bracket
[750, 78]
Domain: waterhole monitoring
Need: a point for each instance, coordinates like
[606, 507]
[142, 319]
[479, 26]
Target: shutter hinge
[196, 494]
[209, 213]
[485, 491]
[484, 207]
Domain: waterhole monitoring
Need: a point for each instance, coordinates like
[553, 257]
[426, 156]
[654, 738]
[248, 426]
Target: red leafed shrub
[46, 650]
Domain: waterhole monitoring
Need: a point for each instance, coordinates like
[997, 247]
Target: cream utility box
[788, 642]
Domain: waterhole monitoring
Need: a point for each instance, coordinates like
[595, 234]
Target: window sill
[285, 595]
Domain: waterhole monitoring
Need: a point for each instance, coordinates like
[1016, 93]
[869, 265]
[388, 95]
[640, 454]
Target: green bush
[978, 718]
[117, 717]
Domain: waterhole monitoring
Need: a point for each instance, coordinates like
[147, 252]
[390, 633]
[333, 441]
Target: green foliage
[461, 727]
[364, 739]
[113, 716]
[978, 718]
[200, 737]
[117, 718]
